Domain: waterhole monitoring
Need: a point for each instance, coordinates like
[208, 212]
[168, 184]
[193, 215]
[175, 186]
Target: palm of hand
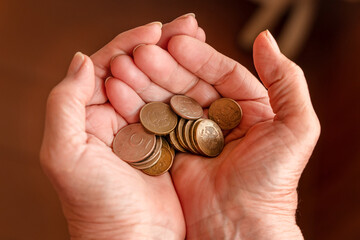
[206, 187]
[102, 196]
[256, 175]
[146, 202]
[242, 176]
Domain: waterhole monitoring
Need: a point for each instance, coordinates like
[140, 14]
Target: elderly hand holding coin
[247, 192]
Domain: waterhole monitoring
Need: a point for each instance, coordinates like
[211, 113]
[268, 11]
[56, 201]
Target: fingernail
[107, 80]
[76, 63]
[115, 56]
[138, 47]
[186, 15]
[155, 23]
[272, 41]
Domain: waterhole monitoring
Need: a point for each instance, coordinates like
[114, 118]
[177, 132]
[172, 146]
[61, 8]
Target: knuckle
[53, 97]
[312, 128]
[43, 155]
[287, 68]
[316, 126]
[295, 69]
[118, 37]
[45, 158]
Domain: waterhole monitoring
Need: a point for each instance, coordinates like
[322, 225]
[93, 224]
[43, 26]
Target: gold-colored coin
[154, 155]
[158, 118]
[179, 133]
[152, 159]
[167, 145]
[192, 136]
[132, 143]
[174, 142]
[187, 136]
[163, 165]
[209, 138]
[172, 151]
[186, 107]
[226, 112]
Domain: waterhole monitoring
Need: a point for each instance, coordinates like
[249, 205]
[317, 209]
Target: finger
[229, 78]
[103, 122]
[183, 25]
[162, 69]
[124, 99]
[65, 112]
[124, 43]
[287, 87]
[203, 93]
[124, 68]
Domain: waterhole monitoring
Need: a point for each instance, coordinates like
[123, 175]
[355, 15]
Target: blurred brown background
[38, 39]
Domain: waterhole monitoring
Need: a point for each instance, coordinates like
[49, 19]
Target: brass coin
[158, 118]
[133, 144]
[152, 159]
[187, 136]
[149, 164]
[192, 136]
[163, 165]
[209, 138]
[179, 133]
[226, 112]
[167, 145]
[172, 150]
[174, 142]
[186, 107]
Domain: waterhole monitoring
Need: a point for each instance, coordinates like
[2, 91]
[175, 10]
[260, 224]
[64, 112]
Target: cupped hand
[103, 197]
[249, 190]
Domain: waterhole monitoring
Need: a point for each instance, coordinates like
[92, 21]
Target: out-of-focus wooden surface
[38, 39]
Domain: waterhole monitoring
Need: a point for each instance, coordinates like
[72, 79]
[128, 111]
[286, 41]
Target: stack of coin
[202, 137]
[144, 147]
[143, 150]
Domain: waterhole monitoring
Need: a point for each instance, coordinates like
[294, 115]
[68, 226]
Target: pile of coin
[144, 145]
[143, 150]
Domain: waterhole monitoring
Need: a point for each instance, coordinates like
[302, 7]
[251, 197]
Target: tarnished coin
[152, 159]
[179, 133]
[174, 142]
[133, 144]
[226, 112]
[209, 137]
[158, 118]
[163, 165]
[187, 136]
[186, 107]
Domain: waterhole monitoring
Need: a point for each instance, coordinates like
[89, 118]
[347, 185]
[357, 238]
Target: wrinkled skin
[247, 192]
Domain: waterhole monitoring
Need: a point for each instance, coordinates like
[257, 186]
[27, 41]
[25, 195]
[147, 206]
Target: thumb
[65, 110]
[287, 87]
